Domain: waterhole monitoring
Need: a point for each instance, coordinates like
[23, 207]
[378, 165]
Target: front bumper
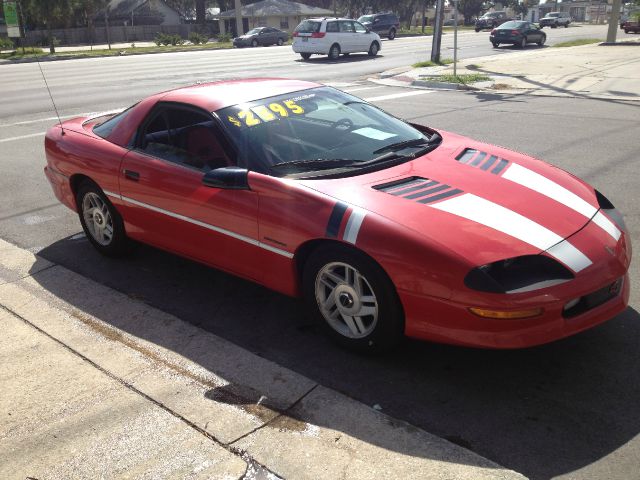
[450, 321]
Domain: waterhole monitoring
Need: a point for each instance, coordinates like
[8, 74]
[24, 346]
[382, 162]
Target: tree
[50, 13]
[470, 9]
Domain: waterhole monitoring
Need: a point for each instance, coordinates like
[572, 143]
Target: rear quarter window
[308, 26]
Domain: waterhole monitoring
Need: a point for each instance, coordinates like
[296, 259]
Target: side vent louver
[482, 160]
[418, 189]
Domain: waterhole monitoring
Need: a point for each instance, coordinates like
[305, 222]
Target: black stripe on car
[440, 196]
[472, 157]
[405, 182]
[428, 191]
[422, 186]
[335, 219]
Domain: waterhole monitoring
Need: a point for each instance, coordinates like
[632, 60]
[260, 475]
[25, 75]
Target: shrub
[165, 39]
[5, 44]
[224, 37]
[198, 38]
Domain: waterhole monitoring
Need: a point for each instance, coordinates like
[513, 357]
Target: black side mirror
[229, 178]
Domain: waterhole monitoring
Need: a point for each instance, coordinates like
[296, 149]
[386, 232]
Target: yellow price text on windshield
[263, 113]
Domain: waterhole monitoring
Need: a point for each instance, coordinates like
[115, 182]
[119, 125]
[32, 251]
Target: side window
[185, 136]
[332, 26]
[346, 27]
[359, 27]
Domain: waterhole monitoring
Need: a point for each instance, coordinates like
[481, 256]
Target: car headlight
[612, 212]
[518, 274]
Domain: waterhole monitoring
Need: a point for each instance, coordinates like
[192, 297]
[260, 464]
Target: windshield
[366, 18]
[316, 130]
[255, 31]
[308, 26]
[553, 14]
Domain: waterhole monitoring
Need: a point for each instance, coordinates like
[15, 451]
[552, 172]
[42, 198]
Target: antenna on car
[51, 97]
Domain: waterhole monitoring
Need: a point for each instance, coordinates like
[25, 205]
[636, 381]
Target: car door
[166, 203]
[362, 37]
[270, 36]
[348, 42]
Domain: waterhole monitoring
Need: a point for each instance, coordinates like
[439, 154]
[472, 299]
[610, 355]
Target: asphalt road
[565, 410]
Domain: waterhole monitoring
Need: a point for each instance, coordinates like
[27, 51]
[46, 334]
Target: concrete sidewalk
[96, 384]
[589, 71]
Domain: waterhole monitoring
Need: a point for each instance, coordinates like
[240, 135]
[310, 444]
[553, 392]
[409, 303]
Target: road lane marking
[49, 119]
[397, 95]
[349, 90]
[22, 137]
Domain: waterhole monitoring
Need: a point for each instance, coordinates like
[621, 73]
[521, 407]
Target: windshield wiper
[416, 142]
[317, 163]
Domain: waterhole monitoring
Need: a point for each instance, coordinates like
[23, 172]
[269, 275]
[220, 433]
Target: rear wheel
[495, 44]
[353, 298]
[334, 51]
[523, 42]
[477, 30]
[392, 34]
[280, 42]
[566, 25]
[305, 56]
[100, 220]
[373, 49]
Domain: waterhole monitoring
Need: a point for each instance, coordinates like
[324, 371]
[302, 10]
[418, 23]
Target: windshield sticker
[266, 113]
[373, 133]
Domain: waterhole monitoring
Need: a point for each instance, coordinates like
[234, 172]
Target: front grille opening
[592, 300]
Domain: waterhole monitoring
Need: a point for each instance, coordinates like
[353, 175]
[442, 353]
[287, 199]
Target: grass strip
[429, 63]
[575, 43]
[464, 79]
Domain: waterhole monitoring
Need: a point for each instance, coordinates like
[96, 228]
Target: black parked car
[517, 33]
[261, 36]
[384, 24]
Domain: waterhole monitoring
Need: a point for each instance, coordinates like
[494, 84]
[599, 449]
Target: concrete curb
[269, 417]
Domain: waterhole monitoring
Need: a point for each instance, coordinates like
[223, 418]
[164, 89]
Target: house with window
[281, 14]
[140, 12]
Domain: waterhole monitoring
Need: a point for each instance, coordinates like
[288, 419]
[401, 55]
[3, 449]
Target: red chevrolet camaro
[386, 228]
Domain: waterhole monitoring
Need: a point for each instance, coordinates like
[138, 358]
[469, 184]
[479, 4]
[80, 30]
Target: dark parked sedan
[261, 36]
[517, 33]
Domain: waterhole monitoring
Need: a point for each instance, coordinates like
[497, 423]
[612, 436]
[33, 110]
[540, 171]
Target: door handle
[131, 175]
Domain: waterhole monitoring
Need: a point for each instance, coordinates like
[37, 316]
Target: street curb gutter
[261, 412]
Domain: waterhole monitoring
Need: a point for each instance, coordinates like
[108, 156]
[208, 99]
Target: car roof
[216, 95]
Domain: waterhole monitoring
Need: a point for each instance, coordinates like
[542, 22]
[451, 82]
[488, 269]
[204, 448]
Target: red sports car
[386, 228]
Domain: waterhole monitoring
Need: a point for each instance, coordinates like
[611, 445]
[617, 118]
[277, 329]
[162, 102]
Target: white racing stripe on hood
[538, 183]
[502, 219]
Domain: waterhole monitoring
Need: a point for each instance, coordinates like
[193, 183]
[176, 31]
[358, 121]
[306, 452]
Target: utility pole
[239, 29]
[455, 37]
[106, 26]
[613, 21]
[437, 32]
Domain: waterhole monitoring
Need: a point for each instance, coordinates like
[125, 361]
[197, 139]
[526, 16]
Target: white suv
[333, 36]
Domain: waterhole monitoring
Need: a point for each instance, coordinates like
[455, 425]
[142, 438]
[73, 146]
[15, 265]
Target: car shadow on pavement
[543, 411]
[350, 58]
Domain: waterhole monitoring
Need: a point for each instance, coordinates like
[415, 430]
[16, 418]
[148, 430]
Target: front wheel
[254, 43]
[354, 299]
[566, 25]
[373, 49]
[101, 222]
[523, 42]
[334, 51]
[305, 56]
[477, 30]
[541, 41]
[392, 34]
[495, 44]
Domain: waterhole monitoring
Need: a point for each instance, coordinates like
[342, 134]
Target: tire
[495, 44]
[280, 42]
[100, 221]
[554, 26]
[334, 52]
[373, 49]
[542, 40]
[336, 297]
[477, 30]
[305, 56]
[566, 25]
[626, 31]
[254, 43]
[523, 42]
[392, 34]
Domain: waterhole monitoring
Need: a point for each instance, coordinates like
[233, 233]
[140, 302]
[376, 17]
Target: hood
[484, 202]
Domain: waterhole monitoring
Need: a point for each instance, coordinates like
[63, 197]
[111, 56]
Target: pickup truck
[491, 20]
[555, 20]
